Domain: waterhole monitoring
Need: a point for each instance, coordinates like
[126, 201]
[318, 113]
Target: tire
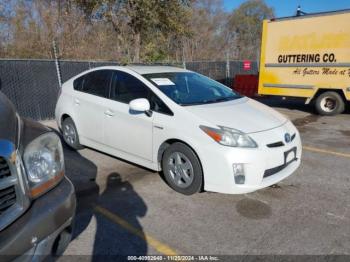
[182, 169]
[70, 134]
[329, 104]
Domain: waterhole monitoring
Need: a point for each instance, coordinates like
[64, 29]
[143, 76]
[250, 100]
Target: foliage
[131, 30]
[245, 26]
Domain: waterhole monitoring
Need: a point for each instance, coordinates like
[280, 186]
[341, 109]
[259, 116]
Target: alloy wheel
[181, 169]
[69, 134]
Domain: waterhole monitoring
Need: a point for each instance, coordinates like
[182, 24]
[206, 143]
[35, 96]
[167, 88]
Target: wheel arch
[320, 91]
[63, 117]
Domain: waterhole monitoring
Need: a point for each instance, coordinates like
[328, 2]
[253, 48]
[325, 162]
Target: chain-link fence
[222, 71]
[32, 85]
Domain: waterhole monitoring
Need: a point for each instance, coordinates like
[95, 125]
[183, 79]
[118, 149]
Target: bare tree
[245, 26]
[131, 30]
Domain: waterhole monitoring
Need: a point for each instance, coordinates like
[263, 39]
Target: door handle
[76, 102]
[109, 113]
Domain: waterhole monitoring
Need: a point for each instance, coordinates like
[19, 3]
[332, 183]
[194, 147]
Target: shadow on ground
[118, 198]
[291, 103]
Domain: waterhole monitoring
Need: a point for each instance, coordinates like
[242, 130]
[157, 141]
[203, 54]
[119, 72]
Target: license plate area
[289, 157]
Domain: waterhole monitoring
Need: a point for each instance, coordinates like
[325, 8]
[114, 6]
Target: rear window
[94, 83]
[78, 83]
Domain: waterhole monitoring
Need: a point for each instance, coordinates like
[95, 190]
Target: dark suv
[37, 201]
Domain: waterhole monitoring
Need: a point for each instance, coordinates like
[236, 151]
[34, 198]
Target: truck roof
[308, 15]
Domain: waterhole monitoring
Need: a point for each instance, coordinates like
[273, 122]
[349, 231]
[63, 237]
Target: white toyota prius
[200, 133]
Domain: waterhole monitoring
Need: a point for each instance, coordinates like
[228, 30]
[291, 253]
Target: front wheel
[330, 103]
[182, 169]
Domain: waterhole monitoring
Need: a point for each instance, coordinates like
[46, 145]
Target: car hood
[8, 120]
[244, 114]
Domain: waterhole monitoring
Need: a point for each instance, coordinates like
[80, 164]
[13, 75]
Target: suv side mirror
[140, 105]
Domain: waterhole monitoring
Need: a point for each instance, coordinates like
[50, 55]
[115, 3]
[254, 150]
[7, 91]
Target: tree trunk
[137, 47]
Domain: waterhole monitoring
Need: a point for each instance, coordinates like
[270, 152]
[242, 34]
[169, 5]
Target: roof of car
[142, 69]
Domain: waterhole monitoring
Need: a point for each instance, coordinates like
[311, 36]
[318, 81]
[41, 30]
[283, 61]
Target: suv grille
[7, 194]
[7, 198]
[4, 169]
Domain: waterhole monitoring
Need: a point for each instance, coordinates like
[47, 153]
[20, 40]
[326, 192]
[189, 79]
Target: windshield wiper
[222, 99]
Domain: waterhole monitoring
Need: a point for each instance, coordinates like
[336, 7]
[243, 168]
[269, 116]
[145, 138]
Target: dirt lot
[127, 210]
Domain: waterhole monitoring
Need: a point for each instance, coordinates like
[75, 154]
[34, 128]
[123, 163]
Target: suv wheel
[182, 169]
[70, 134]
[329, 104]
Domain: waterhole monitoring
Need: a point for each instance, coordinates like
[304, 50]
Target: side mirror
[140, 105]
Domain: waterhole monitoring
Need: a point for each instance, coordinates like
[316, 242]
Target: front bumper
[32, 236]
[263, 166]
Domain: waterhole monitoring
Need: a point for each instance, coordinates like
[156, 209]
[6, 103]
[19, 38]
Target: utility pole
[183, 54]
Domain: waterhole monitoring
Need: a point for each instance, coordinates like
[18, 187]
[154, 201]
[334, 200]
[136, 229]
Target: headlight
[229, 137]
[44, 163]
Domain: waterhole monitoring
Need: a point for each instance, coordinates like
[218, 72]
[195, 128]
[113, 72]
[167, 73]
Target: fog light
[238, 172]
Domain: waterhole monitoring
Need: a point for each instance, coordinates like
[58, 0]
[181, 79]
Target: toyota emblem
[287, 138]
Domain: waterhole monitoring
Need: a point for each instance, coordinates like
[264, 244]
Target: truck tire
[70, 134]
[329, 104]
[182, 169]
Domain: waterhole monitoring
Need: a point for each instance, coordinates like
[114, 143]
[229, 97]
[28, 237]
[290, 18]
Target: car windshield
[188, 88]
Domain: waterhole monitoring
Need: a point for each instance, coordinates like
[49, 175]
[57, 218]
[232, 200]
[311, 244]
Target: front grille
[277, 144]
[275, 170]
[7, 194]
[13, 199]
[4, 169]
[7, 198]
[280, 143]
[272, 171]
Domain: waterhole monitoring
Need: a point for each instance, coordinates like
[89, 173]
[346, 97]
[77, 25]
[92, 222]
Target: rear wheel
[330, 103]
[182, 169]
[70, 134]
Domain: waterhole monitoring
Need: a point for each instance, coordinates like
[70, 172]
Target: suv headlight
[44, 163]
[229, 137]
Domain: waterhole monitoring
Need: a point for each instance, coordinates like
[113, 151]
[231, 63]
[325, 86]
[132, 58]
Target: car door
[126, 131]
[90, 97]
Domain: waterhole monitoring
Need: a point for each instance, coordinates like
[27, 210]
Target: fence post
[57, 63]
[227, 71]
